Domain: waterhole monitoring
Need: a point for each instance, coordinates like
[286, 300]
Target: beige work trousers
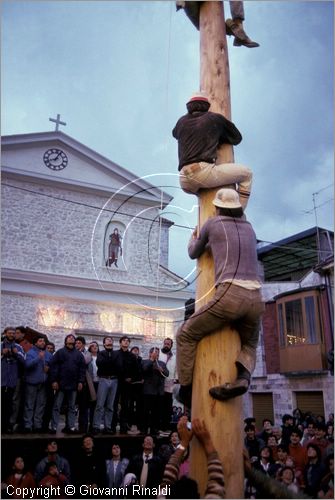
[209, 175]
[231, 305]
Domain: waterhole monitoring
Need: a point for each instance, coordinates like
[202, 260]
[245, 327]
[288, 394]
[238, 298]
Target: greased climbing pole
[216, 353]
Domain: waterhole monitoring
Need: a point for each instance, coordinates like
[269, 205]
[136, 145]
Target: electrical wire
[157, 221]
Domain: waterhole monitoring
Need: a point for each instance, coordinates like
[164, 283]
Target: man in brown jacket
[237, 299]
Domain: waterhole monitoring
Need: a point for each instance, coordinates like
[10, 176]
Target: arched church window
[114, 245]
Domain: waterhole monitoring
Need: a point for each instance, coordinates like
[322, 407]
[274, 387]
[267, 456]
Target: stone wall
[283, 391]
[63, 231]
[58, 317]
[260, 368]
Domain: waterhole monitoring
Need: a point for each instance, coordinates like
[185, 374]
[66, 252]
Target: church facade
[84, 247]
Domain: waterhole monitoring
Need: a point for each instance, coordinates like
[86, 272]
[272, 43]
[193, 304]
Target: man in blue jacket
[12, 356]
[36, 369]
[67, 374]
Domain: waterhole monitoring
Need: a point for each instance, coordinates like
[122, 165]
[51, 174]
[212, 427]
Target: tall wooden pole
[216, 353]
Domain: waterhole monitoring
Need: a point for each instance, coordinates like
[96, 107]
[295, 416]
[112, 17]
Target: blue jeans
[71, 408]
[34, 406]
[17, 401]
[105, 402]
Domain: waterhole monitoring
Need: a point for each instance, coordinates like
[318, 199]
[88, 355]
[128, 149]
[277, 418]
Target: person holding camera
[12, 356]
[154, 374]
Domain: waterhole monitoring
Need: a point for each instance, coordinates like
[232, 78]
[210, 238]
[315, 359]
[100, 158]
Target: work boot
[247, 43]
[230, 389]
[235, 28]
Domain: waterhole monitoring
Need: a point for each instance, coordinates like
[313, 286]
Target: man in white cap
[199, 134]
[237, 300]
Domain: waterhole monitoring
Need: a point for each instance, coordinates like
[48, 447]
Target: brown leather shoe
[247, 43]
[234, 28]
[230, 389]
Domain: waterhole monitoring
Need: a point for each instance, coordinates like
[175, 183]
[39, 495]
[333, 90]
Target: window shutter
[262, 407]
[310, 401]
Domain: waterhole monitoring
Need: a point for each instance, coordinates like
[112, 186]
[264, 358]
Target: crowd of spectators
[299, 454]
[85, 466]
[103, 388]
[99, 388]
[279, 470]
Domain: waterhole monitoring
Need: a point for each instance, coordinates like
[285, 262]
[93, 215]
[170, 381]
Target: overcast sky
[119, 73]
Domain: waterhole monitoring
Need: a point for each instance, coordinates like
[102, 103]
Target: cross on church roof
[57, 121]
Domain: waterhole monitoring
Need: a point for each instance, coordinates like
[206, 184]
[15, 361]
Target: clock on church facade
[55, 159]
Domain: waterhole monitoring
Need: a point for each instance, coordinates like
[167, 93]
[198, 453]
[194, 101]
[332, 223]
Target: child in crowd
[20, 478]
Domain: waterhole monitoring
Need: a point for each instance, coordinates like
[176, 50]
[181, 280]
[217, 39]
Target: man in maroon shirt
[296, 450]
[199, 134]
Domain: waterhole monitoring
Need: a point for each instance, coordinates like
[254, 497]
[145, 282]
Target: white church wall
[29, 159]
[57, 317]
[41, 232]
[164, 244]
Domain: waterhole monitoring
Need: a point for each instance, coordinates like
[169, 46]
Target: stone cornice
[17, 174]
[33, 282]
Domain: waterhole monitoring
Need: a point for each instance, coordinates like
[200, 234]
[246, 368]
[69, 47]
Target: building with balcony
[296, 341]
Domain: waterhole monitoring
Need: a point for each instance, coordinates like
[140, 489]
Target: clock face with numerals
[55, 159]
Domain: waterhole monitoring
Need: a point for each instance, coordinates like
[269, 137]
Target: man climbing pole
[237, 298]
[217, 353]
[234, 26]
[200, 133]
